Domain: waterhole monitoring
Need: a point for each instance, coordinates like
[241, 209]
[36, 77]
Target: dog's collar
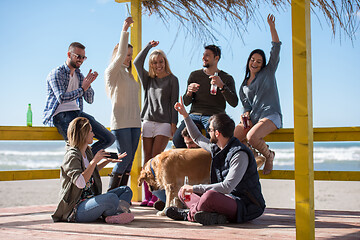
[151, 168]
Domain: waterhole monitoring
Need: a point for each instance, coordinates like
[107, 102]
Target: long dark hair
[262, 54]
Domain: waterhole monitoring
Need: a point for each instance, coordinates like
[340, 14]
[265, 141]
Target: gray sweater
[161, 94]
[261, 98]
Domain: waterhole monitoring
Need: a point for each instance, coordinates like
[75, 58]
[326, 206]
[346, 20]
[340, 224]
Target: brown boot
[269, 163]
[124, 179]
[263, 148]
[114, 182]
[260, 160]
[253, 150]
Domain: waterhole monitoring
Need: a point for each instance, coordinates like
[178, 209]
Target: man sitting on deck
[234, 193]
[66, 89]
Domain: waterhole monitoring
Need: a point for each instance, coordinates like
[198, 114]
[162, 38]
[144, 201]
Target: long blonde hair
[77, 131]
[115, 52]
[153, 55]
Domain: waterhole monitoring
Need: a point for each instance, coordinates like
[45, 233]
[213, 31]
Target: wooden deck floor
[35, 223]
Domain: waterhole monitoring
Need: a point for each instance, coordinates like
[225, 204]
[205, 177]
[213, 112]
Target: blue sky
[35, 36]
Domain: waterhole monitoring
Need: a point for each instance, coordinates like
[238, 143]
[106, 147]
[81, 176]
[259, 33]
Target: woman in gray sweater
[260, 99]
[158, 116]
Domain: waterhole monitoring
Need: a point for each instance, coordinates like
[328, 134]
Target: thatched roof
[198, 16]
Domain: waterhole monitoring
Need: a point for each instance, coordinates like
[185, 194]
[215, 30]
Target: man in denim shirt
[66, 88]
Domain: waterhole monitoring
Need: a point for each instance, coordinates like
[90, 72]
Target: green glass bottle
[29, 116]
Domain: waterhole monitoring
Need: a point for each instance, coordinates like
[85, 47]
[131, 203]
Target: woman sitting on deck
[80, 196]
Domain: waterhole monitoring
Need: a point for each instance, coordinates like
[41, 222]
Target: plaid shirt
[57, 84]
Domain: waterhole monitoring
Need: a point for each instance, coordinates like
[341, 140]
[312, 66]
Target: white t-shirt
[69, 106]
[80, 182]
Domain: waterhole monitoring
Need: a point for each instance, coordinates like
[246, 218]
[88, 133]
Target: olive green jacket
[72, 167]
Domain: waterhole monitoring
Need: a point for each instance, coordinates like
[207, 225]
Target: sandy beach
[329, 195]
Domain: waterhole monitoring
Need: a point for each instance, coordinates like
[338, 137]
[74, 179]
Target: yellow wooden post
[136, 42]
[303, 128]
[135, 39]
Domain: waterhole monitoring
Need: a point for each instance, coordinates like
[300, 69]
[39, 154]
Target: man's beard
[213, 139]
[73, 64]
[206, 65]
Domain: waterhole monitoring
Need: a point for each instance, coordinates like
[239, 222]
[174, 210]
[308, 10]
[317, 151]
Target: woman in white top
[123, 91]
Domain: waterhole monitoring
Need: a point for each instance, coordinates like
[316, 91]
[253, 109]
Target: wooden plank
[275, 174]
[136, 33]
[281, 135]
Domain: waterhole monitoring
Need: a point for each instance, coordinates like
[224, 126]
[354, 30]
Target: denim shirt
[261, 97]
[57, 84]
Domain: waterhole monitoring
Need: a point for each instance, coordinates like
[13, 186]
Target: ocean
[328, 156]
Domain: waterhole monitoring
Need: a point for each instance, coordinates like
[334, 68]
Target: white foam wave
[32, 153]
[322, 154]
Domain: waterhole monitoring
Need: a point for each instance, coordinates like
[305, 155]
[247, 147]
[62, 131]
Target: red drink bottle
[187, 197]
[213, 87]
[245, 121]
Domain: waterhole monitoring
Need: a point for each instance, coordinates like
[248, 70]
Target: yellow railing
[282, 135]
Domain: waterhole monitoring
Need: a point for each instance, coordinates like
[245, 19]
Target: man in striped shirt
[66, 89]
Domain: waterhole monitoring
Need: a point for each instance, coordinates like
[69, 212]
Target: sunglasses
[79, 57]
[209, 130]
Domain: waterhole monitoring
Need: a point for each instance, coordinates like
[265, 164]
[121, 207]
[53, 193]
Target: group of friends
[237, 151]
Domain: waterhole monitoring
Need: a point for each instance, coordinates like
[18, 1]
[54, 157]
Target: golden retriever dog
[171, 167]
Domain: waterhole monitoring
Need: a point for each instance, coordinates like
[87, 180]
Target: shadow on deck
[35, 223]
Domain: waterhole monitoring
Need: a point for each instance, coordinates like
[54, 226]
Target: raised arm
[275, 50]
[140, 59]
[193, 130]
[122, 50]
[271, 22]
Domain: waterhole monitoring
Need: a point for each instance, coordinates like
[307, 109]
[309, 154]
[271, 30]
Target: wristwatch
[223, 88]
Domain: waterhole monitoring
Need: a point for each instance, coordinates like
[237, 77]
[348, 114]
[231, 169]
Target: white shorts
[152, 129]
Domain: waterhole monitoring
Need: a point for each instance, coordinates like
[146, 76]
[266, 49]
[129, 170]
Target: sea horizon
[31, 155]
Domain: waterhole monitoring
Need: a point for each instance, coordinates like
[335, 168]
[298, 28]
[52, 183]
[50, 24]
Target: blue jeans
[160, 194]
[63, 119]
[201, 121]
[104, 204]
[127, 140]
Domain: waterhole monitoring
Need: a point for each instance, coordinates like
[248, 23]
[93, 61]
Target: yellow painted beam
[38, 174]
[303, 127]
[29, 133]
[275, 174]
[281, 135]
[135, 39]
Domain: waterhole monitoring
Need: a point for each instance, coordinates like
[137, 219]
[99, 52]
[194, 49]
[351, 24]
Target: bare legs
[254, 135]
[152, 147]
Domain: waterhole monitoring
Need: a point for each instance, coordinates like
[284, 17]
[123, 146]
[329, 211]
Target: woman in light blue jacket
[260, 99]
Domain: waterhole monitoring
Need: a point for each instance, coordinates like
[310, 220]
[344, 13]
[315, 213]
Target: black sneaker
[210, 218]
[159, 205]
[177, 213]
